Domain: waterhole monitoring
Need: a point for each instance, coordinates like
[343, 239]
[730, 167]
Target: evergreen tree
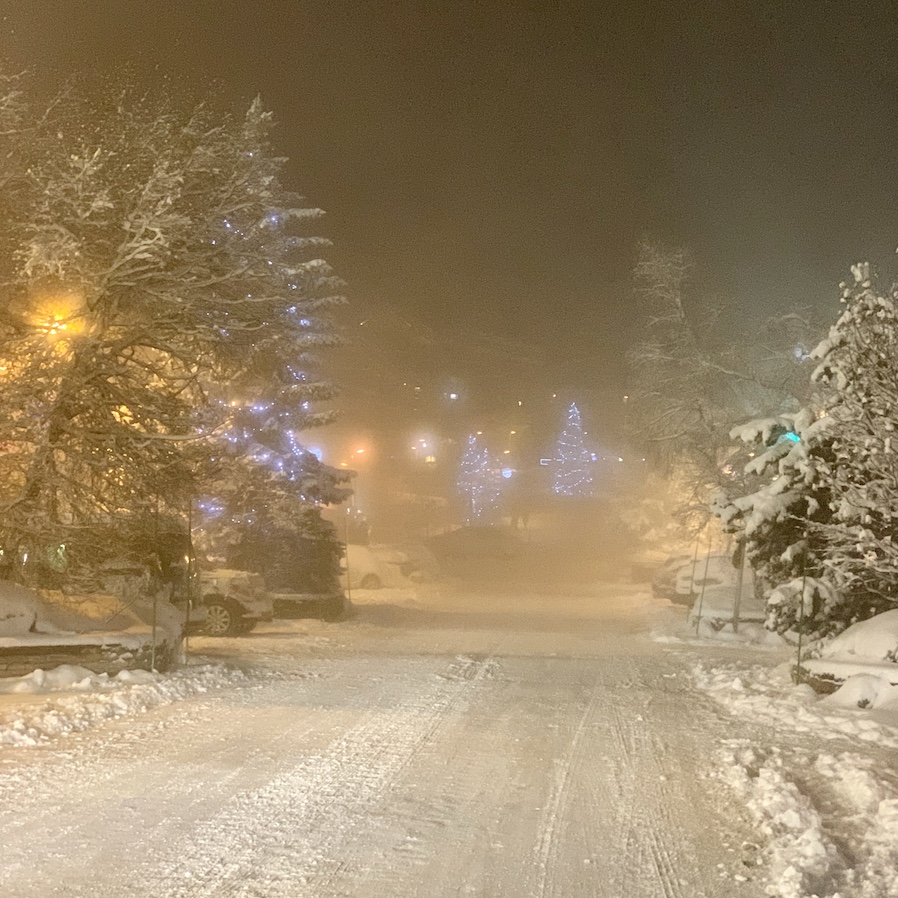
[267, 488]
[779, 509]
[859, 367]
[574, 467]
[825, 506]
[478, 484]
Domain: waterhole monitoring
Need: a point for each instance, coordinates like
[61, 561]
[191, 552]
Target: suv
[301, 572]
[235, 601]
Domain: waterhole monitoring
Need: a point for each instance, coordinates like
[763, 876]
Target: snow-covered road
[519, 746]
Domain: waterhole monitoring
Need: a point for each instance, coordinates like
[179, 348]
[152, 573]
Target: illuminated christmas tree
[573, 461]
[478, 484]
[263, 495]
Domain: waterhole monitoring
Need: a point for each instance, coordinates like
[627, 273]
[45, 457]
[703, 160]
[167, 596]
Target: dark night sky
[490, 166]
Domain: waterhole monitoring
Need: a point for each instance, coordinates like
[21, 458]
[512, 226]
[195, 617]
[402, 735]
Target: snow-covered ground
[506, 744]
[74, 699]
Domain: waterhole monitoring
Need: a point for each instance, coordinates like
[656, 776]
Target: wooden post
[737, 602]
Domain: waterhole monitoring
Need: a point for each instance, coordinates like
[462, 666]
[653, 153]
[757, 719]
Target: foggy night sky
[490, 166]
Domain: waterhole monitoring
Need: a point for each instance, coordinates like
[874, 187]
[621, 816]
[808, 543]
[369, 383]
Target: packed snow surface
[442, 744]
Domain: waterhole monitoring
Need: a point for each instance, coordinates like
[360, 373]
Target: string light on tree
[574, 472]
[478, 484]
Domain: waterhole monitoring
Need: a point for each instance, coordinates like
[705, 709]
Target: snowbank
[867, 650]
[18, 610]
[799, 856]
[101, 632]
[768, 695]
[865, 690]
[799, 800]
[82, 699]
[875, 639]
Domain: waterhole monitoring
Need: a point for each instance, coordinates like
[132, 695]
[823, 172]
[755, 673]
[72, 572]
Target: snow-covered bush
[802, 599]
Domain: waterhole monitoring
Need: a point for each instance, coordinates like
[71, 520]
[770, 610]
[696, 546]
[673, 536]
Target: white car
[694, 579]
[235, 601]
[716, 607]
[375, 567]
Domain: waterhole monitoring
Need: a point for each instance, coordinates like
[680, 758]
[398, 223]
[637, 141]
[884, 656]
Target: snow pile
[875, 639]
[18, 610]
[96, 698]
[867, 649]
[855, 809]
[865, 691]
[800, 858]
[68, 677]
[768, 696]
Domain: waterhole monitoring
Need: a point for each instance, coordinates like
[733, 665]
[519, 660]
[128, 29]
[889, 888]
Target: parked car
[664, 579]
[377, 566]
[302, 574]
[694, 578]
[169, 572]
[235, 601]
[178, 572]
[716, 608]
[476, 542]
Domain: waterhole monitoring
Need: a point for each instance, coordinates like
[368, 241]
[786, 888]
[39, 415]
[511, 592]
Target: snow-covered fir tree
[826, 501]
[478, 484]
[266, 486]
[574, 472]
[778, 510]
[858, 363]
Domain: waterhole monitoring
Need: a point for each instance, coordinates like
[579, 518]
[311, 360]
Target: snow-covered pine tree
[267, 488]
[573, 475]
[826, 503]
[858, 364]
[478, 484]
[778, 509]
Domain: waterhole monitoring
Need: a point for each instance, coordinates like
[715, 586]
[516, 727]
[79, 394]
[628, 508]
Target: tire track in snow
[546, 849]
[293, 836]
[646, 844]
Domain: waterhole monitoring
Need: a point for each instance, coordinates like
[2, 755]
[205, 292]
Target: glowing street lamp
[59, 315]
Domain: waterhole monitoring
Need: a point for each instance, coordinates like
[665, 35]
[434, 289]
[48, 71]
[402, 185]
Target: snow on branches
[823, 506]
[159, 278]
